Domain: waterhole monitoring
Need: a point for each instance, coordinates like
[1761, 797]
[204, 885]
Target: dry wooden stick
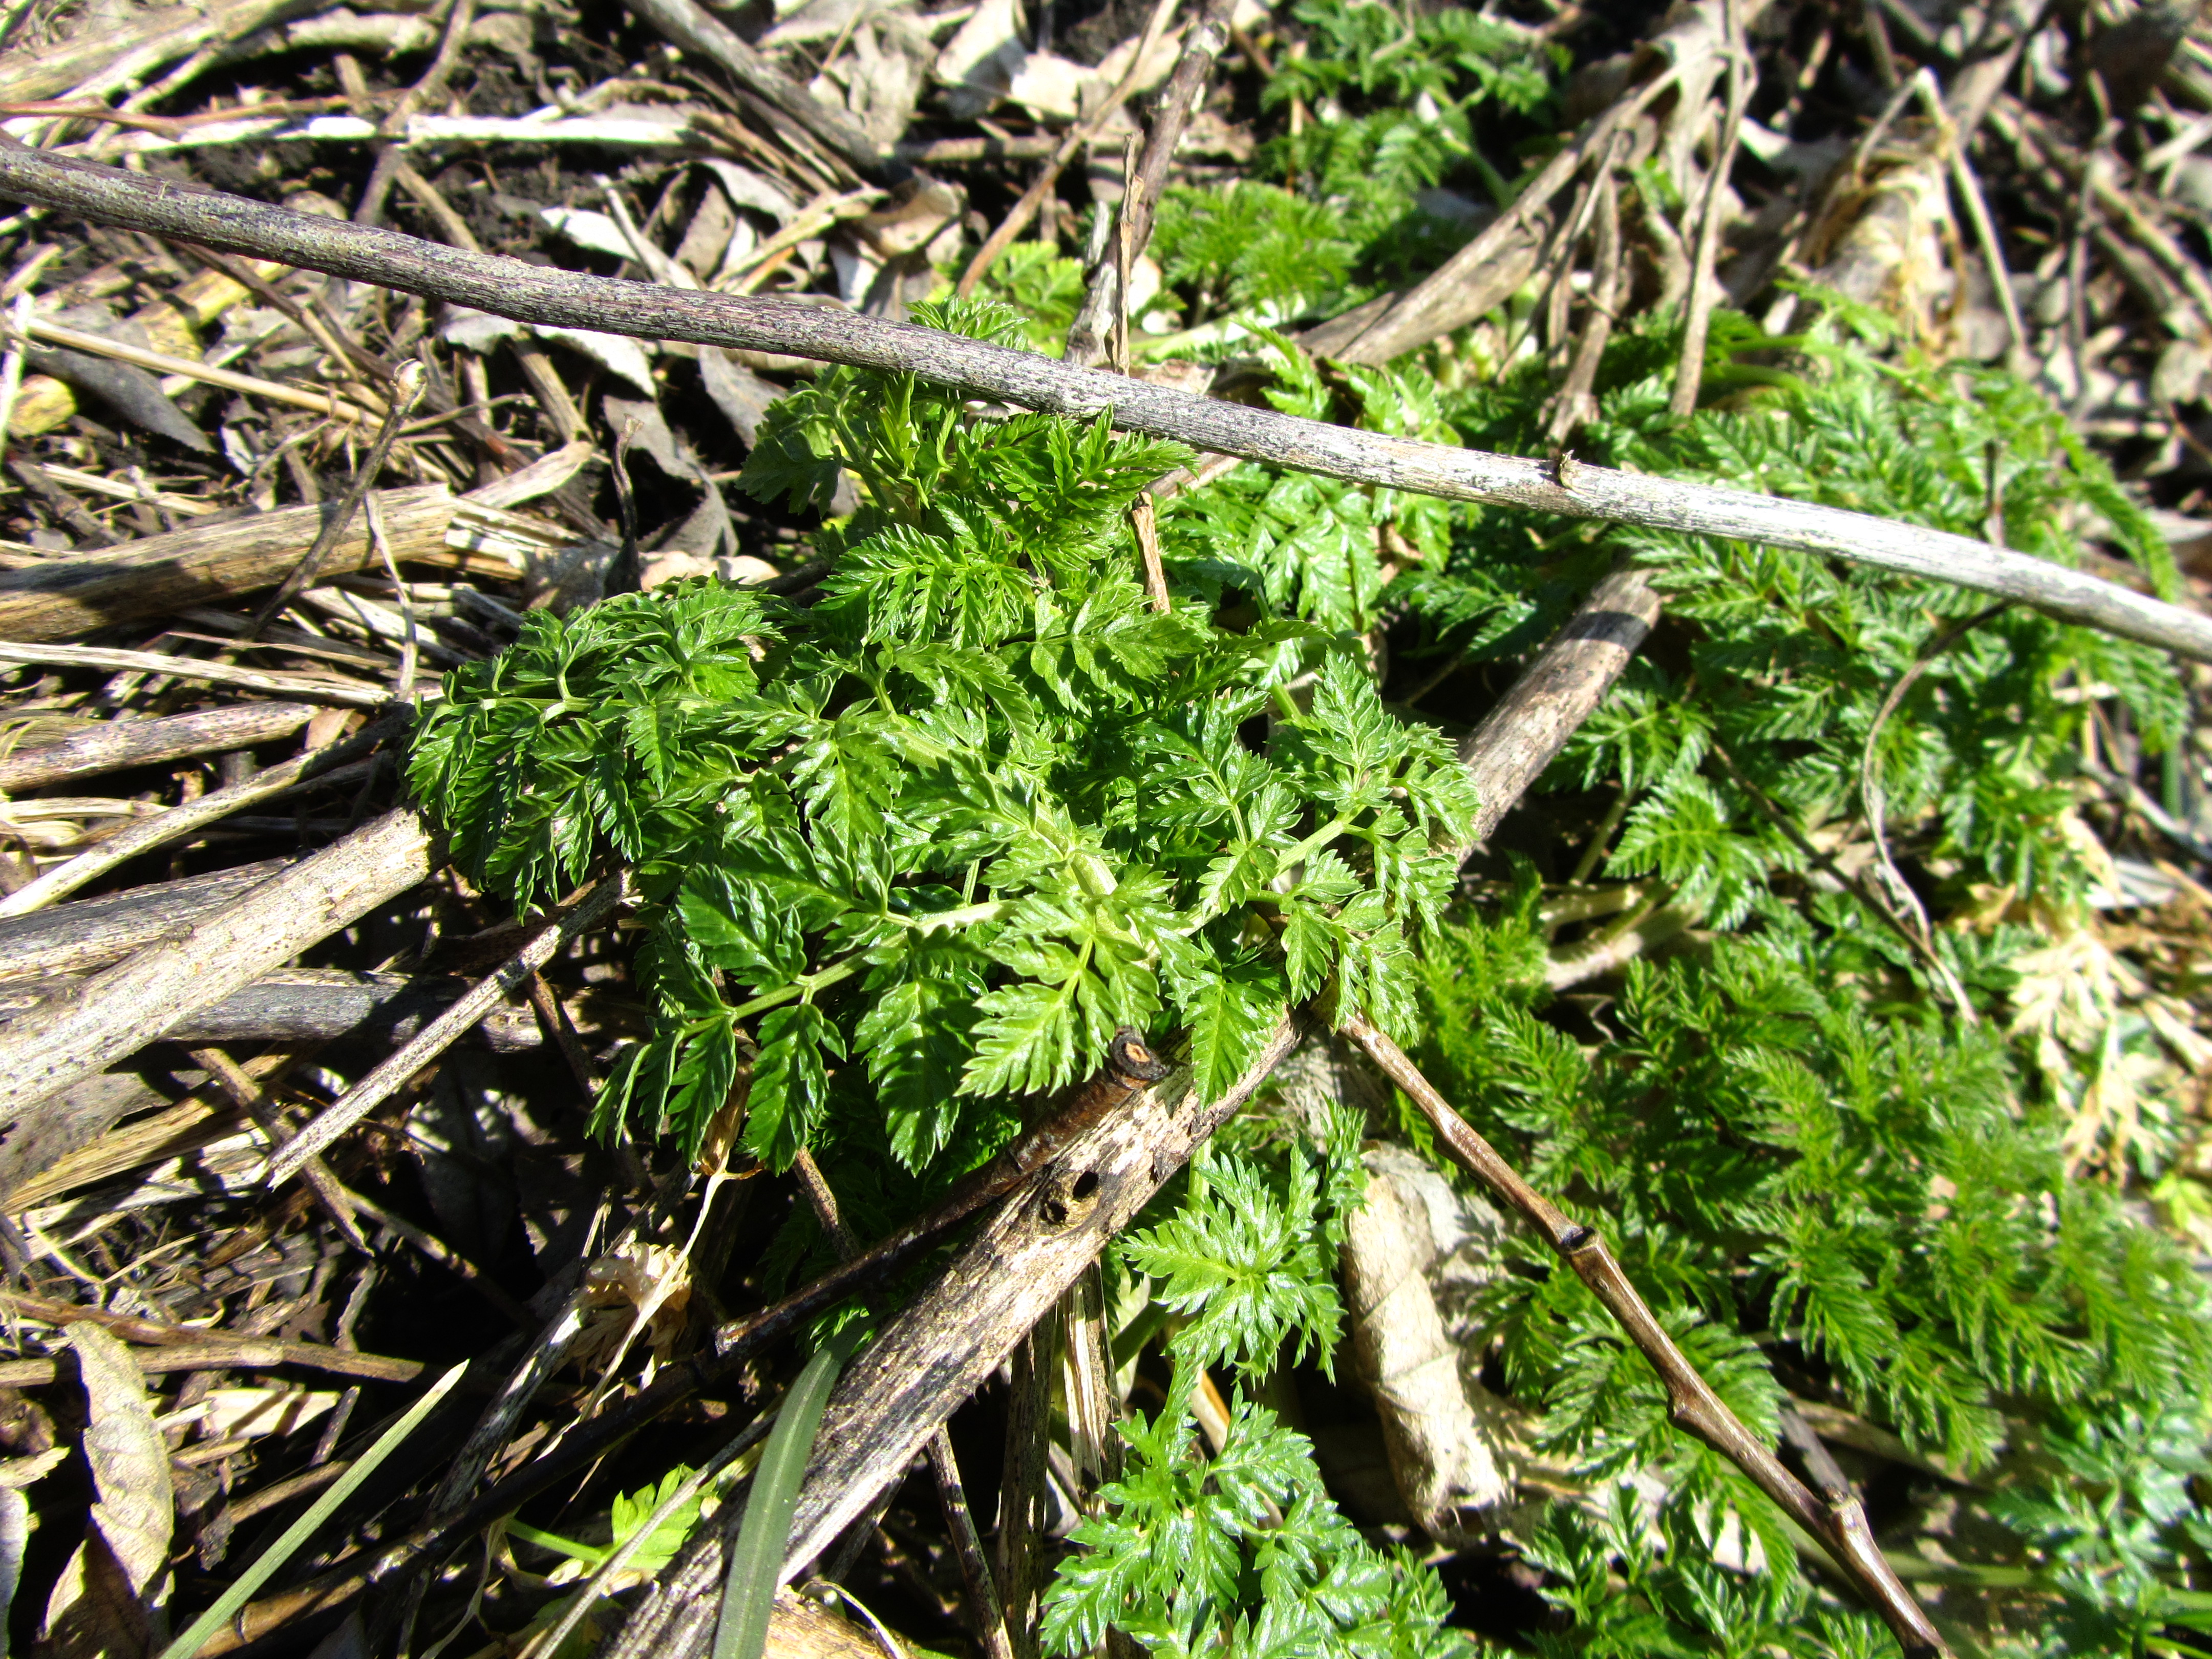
[1017, 221]
[1839, 1523]
[302, 1005]
[134, 1002]
[161, 575]
[1022, 1509]
[245, 1354]
[93, 932]
[193, 1347]
[373, 1090]
[119, 744]
[974, 1569]
[166, 827]
[751, 322]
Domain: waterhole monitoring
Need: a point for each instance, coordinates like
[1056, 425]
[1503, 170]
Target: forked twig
[1017, 221]
[1106, 293]
[1839, 1522]
[1742, 81]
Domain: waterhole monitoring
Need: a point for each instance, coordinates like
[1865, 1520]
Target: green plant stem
[241, 1588]
[749, 1592]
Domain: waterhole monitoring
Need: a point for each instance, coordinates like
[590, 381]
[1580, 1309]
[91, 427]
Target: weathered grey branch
[164, 828]
[1523, 733]
[137, 1001]
[938, 1349]
[754, 323]
[305, 1005]
[93, 932]
[161, 574]
[119, 744]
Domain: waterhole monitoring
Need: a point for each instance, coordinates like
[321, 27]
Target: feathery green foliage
[974, 810]
[911, 855]
[1242, 1551]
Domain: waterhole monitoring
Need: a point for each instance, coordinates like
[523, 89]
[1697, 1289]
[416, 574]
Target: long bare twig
[439, 1034]
[1024, 211]
[510, 288]
[1838, 1521]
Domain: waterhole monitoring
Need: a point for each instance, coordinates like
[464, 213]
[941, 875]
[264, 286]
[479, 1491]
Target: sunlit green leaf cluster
[974, 810]
[1244, 1551]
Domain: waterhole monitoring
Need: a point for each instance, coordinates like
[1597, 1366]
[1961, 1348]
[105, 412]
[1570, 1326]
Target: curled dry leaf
[15, 1535]
[224, 1413]
[109, 1598]
[1444, 1458]
[654, 1282]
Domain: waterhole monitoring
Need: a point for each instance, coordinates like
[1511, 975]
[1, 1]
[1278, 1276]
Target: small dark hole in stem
[1576, 1238]
[1055, 1213]
[1084, 1185]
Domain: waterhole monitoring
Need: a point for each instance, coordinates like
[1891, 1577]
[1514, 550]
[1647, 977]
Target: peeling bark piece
[119, 744]
[1443, 1459]
[161, 574]
[109, 1597]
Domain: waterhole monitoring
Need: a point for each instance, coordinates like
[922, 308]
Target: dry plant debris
[616, 837]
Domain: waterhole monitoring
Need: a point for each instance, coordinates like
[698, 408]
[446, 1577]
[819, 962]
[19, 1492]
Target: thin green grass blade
[299, 1531]
[749, 1592]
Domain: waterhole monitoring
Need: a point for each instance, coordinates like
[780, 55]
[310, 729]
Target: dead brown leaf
[110, 1597]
